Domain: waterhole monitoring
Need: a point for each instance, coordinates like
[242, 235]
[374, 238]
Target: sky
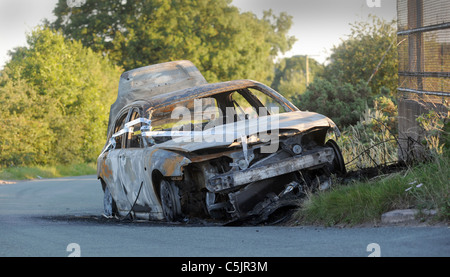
[318, 25]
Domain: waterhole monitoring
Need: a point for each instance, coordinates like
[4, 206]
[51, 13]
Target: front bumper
[235, 179]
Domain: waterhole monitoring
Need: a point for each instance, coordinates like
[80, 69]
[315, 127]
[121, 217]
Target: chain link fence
[424, 68]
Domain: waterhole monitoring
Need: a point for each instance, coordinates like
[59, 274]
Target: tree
[361, 69]
[54, 101]
[370, 46]
[290, 75]
[26, 137]
[222, 42]
[344, 103]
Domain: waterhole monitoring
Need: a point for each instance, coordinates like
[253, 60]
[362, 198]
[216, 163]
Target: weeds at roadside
[37, 172]
[371, 143]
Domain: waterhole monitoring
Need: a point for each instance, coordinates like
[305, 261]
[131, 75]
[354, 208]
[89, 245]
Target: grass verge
[424, 186]
[35, 172]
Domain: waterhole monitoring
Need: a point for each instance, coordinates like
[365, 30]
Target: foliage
[26, 136]
[343, 92]
[54, 101]
[436, 126]
[290, 75]
[371, 45]
[361, 69]
[222, 42]
[372, 141]
[424, 186]
[47, 171]
[343, 103]
[388, 110]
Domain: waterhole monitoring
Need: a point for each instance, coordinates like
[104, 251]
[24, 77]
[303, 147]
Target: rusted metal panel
[168, 163]
[235, 179]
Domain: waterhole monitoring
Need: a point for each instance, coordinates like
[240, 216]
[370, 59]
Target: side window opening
[268, 102]
[134, 138]
[119, 126]
[192, 114]
[242, 107]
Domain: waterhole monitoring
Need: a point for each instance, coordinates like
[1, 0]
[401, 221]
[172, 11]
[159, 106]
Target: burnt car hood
[299, 120]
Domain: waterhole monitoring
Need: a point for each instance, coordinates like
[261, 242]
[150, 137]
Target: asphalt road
[62, 217]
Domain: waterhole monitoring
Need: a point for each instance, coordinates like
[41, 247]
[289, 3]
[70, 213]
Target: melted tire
[338, 166]
[170, 201]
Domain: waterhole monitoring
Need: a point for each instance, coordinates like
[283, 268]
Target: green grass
[34, 172]
[365, 202]
[371, 143]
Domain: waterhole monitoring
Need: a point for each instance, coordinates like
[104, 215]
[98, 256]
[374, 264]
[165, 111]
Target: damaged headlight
[242, 164]
[297, 149]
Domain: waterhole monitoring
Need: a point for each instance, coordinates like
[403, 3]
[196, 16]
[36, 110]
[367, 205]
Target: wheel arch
[157, 177]
[103, 183]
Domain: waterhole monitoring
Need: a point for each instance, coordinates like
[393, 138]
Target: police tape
[229, 132]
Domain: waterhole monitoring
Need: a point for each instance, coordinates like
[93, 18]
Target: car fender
[168, 163]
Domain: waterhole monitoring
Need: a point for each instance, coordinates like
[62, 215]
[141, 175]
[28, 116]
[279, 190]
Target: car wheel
[170, 200]
[109, 205]
[338, 166]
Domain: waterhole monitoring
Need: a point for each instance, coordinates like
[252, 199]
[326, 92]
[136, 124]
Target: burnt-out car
[179, 147]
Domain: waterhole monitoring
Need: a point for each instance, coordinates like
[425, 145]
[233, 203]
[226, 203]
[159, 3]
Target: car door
[111, 164]
[131, 165]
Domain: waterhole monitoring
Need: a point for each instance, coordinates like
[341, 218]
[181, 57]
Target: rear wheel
[109, 205]
[170, 200]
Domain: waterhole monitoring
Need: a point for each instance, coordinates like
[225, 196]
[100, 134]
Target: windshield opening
[199, 115]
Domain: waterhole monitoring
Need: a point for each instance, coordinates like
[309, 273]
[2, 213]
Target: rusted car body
[179, 147]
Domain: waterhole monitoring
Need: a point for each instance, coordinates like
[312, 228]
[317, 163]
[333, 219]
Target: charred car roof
[148, 82]
[173, 82]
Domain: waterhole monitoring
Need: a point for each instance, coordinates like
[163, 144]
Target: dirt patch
[372, 172]
[6, 182]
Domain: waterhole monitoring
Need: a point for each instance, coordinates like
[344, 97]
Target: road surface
[62, 217]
